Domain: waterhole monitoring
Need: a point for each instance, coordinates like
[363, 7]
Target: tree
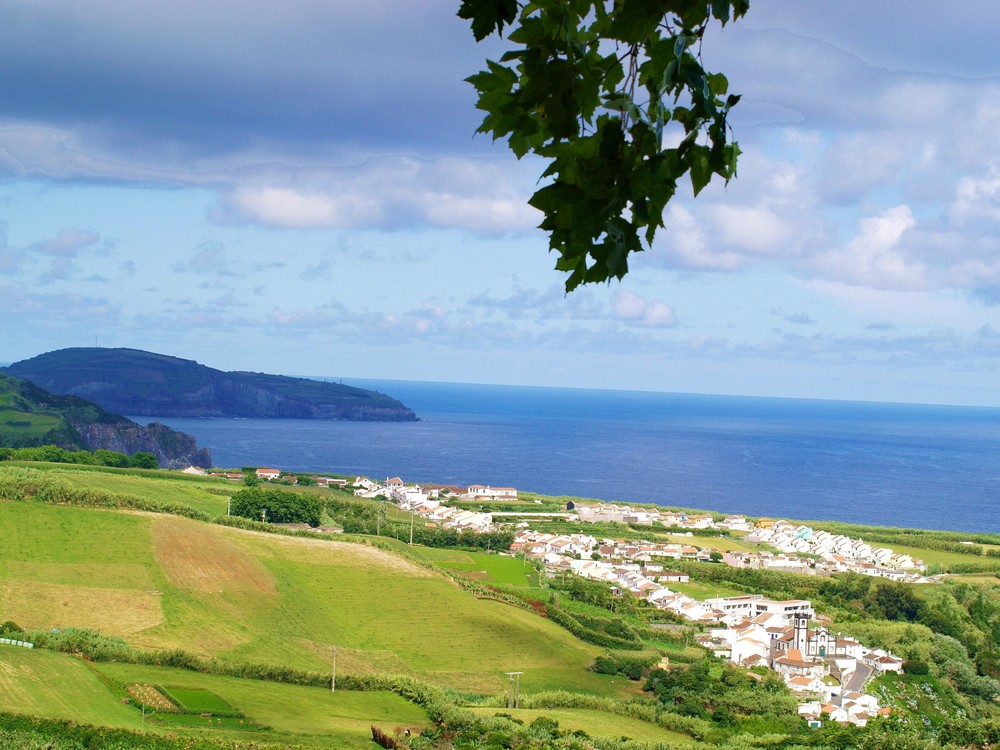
[143, 460]
[111, 458]
[282, 506]
[602, 89]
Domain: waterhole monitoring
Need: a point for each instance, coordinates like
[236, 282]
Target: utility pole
[229, 506]
[333, 680]
[411, 525]
[514, 689]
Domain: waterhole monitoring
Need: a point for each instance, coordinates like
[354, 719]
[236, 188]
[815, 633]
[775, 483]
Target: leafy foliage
[601, 89]
[280, 506]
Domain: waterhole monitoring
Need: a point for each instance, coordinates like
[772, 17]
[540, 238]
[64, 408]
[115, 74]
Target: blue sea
[887, 464]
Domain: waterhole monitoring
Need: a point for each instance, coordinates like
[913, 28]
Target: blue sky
[296, 188]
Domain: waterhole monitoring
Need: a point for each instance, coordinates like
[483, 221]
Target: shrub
[916, 667]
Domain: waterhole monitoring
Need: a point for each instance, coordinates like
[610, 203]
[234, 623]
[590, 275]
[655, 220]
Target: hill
[197, 611]
[31, 416]
[138, 383]
[165, 582]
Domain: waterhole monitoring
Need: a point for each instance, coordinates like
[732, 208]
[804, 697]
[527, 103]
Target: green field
[53, 685]
[20, 425]
[197, 700]
[168, 582]
[201, 493]
[316, 714]
[56, 686]
[596, 723]
[488, 568]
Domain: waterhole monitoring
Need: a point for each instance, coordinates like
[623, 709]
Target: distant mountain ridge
[30, 416]
[144, 384]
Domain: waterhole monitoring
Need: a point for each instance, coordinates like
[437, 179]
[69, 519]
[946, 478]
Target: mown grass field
[489, 568]
[57, 686]
[19, 425]
[42, 683]
[596, 724]
[168, 582]
[291, 713]
[205, 494]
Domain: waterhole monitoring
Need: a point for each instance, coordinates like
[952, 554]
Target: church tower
[800, 639]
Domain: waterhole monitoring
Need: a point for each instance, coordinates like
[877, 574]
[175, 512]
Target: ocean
[872, 463]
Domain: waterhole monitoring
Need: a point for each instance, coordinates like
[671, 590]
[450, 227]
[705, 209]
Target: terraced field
[59, 686]
[167, 582]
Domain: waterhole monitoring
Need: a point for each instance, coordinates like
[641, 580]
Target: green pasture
[160, 487]
[163, 581]
[700, 591]
[51, 685]
[198, 700]
[939, 557]
[500, 569]
[290, 713]
[596, 723]
[721, 543]
[25, 425]
[57, 686]
[977, 579]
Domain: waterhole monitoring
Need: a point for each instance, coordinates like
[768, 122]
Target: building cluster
[801, 549]
[424, 503]
[610, 513]
[837, 553]
[827, 672]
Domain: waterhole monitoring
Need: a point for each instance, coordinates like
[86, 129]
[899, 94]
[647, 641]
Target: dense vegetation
[276, 506]
[99, 457]
[372, 517]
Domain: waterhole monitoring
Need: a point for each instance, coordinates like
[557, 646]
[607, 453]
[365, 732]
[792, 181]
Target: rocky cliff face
[173, 450]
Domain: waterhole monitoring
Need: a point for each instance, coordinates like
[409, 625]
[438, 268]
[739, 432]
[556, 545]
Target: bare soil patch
[323, 552]
[196, 557]
[151, 697]
[55, 605]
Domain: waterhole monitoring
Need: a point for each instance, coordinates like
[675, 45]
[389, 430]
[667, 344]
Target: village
[828, 672]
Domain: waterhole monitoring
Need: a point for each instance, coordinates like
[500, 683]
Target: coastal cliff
[144, 384]
[30, 416]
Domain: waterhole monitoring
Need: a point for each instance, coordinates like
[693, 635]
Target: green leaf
[566, 92]
[488, 16]
[718, 83]
[700, 166]
[635, 19]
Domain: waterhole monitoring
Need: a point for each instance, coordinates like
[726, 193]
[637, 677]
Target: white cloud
[67, 244]
[876, 256]
[636, 310]
[287, 208]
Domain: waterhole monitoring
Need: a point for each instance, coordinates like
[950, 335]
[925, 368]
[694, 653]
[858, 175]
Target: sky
[297, 188]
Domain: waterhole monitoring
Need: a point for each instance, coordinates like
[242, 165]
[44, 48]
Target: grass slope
[596, 724]
[169, 582]
[292, 712]
[56, 686]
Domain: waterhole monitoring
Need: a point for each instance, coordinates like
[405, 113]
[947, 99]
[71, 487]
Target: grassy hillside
[168, 582]
[30, 416]
[60, 686]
